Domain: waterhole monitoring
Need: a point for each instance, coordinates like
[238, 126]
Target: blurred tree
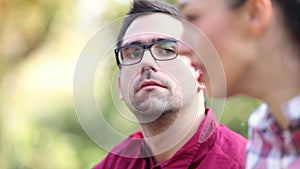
[174, 2]
[25, 26]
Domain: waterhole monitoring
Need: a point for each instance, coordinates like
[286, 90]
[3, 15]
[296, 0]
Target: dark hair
[290, 10]
[145, 7]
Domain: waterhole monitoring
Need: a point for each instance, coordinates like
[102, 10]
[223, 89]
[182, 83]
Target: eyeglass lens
[160, 50]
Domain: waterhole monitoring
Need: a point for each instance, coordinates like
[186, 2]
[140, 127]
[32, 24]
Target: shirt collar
[262, 118]
[189, 150]
[207, 126]
[292, 108]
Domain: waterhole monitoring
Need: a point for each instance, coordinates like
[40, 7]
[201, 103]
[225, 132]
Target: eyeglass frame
[144, 47]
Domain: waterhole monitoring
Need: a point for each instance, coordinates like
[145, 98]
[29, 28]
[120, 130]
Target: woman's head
[251, 38]
[288, 9]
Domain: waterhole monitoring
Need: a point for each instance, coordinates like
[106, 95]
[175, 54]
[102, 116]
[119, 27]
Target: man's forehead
[154, 25]
[146, 38]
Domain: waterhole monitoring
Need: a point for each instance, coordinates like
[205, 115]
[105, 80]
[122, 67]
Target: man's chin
[148, 116]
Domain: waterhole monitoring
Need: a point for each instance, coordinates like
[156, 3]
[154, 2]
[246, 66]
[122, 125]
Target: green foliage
[236, 113]
[173, 2]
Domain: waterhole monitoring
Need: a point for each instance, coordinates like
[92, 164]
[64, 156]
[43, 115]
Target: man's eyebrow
[133, 43]
[163, 38]
[158, 39]
[137, 42]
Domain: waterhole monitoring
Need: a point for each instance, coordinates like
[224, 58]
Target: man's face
[152, 87]
[221, 25]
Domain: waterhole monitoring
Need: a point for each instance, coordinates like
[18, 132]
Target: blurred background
[40, 42]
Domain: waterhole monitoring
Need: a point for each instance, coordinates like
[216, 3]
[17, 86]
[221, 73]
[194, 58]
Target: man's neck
[166, 135]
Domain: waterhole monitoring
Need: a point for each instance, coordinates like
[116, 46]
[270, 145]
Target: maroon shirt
[213, 146]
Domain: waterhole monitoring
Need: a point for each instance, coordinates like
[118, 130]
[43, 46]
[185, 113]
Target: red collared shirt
[213, 146]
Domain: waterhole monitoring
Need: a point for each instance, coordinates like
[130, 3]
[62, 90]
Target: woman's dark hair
[290, 10]
[145, 7]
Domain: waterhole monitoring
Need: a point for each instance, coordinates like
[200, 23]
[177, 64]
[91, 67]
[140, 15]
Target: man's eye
[135, 54]
[168, 51]
[165, 52]
[131, 52]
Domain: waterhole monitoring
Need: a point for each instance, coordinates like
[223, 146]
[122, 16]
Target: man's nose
[148, 60]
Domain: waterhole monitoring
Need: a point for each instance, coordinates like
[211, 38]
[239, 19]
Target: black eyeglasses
[161, 50]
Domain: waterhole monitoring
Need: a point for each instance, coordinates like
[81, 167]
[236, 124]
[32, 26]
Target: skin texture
[175, 107]
[256, 62]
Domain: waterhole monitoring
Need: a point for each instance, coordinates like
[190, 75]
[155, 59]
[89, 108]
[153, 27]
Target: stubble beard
[160, 115]
[155, 105]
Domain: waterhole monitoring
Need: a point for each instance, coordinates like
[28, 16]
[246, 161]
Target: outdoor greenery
[41, 41]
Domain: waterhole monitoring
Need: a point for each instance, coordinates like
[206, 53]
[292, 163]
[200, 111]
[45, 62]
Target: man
[258, 43]
[162, 91]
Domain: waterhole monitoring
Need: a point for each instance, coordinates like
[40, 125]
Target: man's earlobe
[120, 92]
[259, 15]
[120, 95]
[201, 86]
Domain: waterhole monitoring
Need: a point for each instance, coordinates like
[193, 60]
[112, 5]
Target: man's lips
[150, 84]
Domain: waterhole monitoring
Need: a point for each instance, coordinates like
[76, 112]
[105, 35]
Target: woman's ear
[258, 15]
[120, 92]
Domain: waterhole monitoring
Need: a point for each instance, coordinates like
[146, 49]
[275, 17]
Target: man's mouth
[150, 85]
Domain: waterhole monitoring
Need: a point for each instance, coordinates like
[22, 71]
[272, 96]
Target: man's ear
[201, 86]
[120, 92]
[258, 15]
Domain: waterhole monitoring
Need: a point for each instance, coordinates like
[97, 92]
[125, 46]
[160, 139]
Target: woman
[258, 44]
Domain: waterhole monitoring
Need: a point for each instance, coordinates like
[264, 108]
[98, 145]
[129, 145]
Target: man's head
[244, 33]
[141, 8]
[154, 80]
